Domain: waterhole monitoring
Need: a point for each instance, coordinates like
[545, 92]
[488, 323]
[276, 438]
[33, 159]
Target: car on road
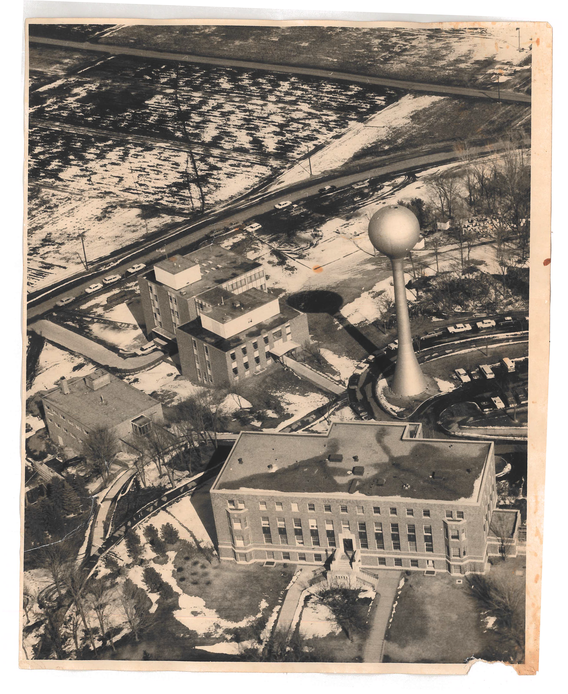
[327, 189]
[393, 345]
[149, 347]
[282, 205]
[462, 375]
[135, 268]
[253, 227]
[499, 404]
[93, 288]
[486, 323]
[459, 328]
[111, 279]
[360, 184]
[65, 301]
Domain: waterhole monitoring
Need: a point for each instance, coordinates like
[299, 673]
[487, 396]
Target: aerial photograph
[276, 373]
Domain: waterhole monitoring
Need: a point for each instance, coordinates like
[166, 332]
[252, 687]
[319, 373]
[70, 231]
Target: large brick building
[77, 406]
[377, 490]
[214, 304]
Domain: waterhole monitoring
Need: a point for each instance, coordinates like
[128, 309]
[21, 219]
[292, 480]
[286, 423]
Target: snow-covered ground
[342, 364]
[371, 305]
[163, 378]
[317, 621]
[299, 405]
[53, 364]
[356, 138]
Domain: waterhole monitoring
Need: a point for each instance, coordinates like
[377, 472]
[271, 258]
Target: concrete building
[171, 290]
[78, 406]
[376, 494]
[214, 304]
[235, 337]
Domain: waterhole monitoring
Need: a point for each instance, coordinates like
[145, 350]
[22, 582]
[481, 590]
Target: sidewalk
[92, 350]
[380, 614]
[291, 600]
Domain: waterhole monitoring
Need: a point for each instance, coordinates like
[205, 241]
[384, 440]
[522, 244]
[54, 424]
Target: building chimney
[64, 385]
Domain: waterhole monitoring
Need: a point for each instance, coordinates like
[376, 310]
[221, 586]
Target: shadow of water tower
[394, 231]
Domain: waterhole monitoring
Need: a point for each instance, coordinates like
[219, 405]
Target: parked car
[459, 328]
[149, 347]
[111, 279]
[93, 288]
[486, 371]
[486, 323]
[65, 301]
[282, 205]
[135, 268]
[253, 227]
[393, 345]
[486, 405]
[475, 375]
[508, 364]
[499, 404]
[462, 375]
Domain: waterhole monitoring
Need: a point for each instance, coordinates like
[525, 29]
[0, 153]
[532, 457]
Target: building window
[449, 514]
[411, 537]
[286, 556]
[343, 509]
[235, 371]
[244, 350]
[345, 525]
[265, 338]
[454, 533]
[414, 563]
[409, 512]
[246, 365]
[327, 508]
[237, 523]
[428, 543]
[379, 537]
[398, 562]
[270, 555]
[239, 541]
[363, 540]
[255, 345]
[460, 515]
[295, 508]
[330, 533]
[377, 510]
[277, 334]
[257, 360]
[233, 356]
[232, 503]
[426, 513]
[265, 521]
[301, 557]
[360, 510]
[262, 505]
[298, 533]
[311, 507]
[279, 506]
[382, 561]
[395, 536]
[393, 511]
[318, 557]
[455, 551]
[314, 533]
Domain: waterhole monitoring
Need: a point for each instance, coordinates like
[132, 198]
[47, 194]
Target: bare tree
[54, 559]
[75, 581]
[500, 526]
[157, 445]
[100, 599]
[446, 188]
[130, 599]
[53, 623]
[100, 448]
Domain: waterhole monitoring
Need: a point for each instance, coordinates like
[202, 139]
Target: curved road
[177, 238]
[407, 85]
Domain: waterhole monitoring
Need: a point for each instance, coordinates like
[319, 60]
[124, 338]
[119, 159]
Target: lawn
[438, 621]
[226, 587]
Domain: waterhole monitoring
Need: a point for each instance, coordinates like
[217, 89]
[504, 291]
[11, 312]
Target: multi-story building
[214, 304]
[376, 490]
[235, 337]
[78, 406]
[170, 291]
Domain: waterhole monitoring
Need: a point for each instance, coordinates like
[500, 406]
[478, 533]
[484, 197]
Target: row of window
[380, 561]
[343, 508]
[276, 335]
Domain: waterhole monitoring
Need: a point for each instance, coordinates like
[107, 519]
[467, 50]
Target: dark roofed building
[77, 406]
[377, 490]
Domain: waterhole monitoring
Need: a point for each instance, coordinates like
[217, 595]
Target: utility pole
[82, 237]
[310, 163]
[519, 36]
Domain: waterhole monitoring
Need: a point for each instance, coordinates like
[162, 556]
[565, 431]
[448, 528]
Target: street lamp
[519, 37]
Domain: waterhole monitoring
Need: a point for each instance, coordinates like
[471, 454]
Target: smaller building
[78, 406]
[238, 336]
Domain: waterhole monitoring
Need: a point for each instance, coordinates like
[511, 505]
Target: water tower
[394, 231]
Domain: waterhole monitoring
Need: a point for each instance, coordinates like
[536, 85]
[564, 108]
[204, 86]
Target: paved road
[92, 350]
[180, 236]
[407, 85]
[381, 610]
[106, 505]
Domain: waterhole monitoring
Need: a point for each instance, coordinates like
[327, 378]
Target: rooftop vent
[380, 481]
[269, 466]
[353, 486]
[358, 470]
[356, 458]
[335, 458]
[97, 380]
[406, 486]
[241, 461]
[64, 385]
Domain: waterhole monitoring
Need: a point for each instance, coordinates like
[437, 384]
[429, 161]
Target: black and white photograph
[277, 344]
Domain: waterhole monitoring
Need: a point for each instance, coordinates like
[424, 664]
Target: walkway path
[291, 600]
[445, 89]
[106, 506]
[381, 610]
[92, 350]
[313, 376]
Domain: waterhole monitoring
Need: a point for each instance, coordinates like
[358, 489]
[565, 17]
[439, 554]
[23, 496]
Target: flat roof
[218, 266]
[195, 329]
[108, 406]
[175, 264]
[225, 306]
[393, 465]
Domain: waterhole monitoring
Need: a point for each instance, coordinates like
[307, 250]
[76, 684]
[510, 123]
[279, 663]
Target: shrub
[169, 534]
